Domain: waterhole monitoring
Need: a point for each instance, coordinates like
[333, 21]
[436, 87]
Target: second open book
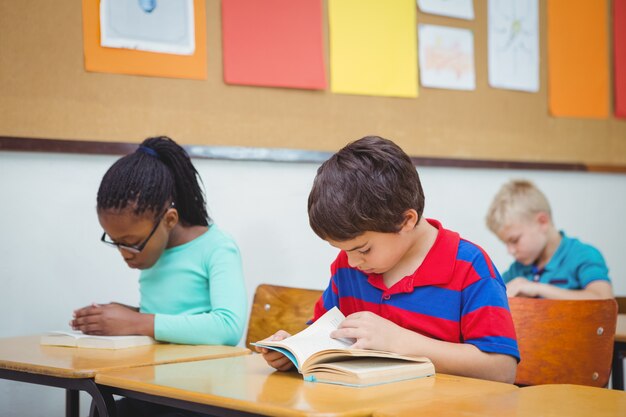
[318, 357]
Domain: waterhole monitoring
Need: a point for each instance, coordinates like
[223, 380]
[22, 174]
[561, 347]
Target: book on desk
[81, 340]
[320, 358]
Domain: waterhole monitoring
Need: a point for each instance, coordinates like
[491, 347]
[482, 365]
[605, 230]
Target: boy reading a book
[405, 284]
[547, 263]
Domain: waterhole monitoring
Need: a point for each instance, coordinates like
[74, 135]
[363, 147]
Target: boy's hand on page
[521, 287]
[106, 320]
[274, 358]
[370, 331]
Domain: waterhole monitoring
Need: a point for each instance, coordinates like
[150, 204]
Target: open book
[79, 339]
[318, 357]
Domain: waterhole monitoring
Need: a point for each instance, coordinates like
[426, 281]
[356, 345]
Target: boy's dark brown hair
[366, 186]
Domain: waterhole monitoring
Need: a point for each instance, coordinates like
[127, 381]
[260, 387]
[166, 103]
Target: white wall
[51, 260]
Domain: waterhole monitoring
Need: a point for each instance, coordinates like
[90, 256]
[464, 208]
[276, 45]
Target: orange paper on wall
[127, 61]
[578, 61]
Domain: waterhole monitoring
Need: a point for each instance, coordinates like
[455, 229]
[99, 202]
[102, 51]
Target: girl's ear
[171, 218]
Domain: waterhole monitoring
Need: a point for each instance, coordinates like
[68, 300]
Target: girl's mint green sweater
[197, 292]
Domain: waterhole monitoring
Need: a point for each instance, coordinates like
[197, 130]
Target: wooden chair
[620, 350]
[564, 341]
[279, 308]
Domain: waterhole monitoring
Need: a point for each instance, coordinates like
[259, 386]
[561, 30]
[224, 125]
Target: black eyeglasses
[135, 248]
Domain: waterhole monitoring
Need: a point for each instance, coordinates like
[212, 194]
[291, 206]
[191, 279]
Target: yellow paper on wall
[373, 47]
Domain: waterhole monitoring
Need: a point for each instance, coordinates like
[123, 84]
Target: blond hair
[516, 200]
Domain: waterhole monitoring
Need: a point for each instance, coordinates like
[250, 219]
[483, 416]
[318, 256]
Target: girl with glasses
[192, 290]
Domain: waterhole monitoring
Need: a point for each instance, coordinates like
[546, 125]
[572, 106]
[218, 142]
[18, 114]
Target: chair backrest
[564, 341]
[279, 308]
[621, 304]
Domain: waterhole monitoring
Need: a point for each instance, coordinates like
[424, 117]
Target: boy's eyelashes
[364, 251]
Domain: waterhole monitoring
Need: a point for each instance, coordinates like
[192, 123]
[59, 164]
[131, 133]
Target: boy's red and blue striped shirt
[455, 295]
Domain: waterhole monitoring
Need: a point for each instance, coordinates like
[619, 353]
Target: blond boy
[548, 263]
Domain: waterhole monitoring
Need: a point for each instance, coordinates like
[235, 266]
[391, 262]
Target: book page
[114, 342]
[79, 339]
[351, 354]
[368, 371]
[314, 338]
[60, 338]
[373, 366]
[74, 334]
[80, 335]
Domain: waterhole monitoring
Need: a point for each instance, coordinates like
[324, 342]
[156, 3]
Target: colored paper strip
[275, 43]
[578, 73]
[619, 58]
[373, 47]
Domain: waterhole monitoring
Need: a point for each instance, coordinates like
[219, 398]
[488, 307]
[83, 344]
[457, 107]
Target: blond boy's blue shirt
[197, 292]
[573, 266]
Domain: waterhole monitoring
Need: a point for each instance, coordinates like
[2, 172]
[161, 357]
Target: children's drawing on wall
[164, 26]
[514, 44]
[446, 57]
[463, 9]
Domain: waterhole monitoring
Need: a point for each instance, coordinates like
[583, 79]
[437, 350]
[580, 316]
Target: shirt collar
[437, 267]
[559, 254]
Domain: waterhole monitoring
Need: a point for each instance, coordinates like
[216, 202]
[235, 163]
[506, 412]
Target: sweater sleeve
[224, 324]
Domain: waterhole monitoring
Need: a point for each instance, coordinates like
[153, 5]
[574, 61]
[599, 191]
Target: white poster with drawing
[514, 44]
[446, 57]
[462, 9]
[165, 26]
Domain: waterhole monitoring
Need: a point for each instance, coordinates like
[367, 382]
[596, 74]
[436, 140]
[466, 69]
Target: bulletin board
[45, 92]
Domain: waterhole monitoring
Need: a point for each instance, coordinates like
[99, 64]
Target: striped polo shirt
[455, 295]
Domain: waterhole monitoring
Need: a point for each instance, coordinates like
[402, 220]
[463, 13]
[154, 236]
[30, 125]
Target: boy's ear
[171, 218]
[410, 219]
[543, 218]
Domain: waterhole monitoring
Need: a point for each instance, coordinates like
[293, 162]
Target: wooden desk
[246, 385]
[24, 359]
[538, 400]
[619, 348]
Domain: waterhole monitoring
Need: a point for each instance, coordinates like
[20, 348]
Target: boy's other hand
[522, 287]
[274, 358]
[370, 331]
[106, 320]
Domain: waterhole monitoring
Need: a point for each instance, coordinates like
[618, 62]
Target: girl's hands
[273, 358]
[112, 320]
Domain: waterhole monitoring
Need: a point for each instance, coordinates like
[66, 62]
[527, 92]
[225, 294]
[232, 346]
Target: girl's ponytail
[188, 196]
